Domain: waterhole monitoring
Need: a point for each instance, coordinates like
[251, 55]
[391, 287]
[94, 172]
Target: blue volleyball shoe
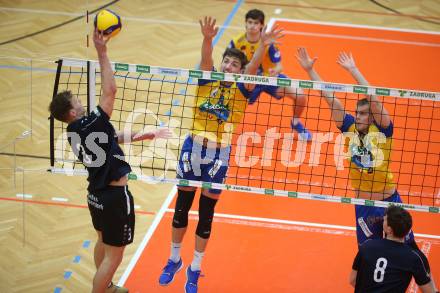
[303, 133]
[192, 277]
[169, 271]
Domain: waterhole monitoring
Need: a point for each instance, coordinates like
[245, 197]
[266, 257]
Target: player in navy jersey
[95, 142]
[387, 265]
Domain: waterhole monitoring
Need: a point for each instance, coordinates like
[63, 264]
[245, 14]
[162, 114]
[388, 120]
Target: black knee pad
[206, 214]
[183, 205]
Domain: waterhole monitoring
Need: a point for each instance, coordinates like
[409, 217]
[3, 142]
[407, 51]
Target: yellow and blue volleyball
[108, 22]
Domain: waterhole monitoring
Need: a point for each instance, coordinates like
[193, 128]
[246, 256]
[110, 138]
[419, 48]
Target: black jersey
[94, 141]
[387, 266]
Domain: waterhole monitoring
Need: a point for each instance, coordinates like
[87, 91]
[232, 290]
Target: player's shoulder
[74, 126]
[408, 254]
[386, 244]
[415, 253]
[374, 244]
[80, 122]
[369, 243]
[348, 123]
[97, 118]
[98, 114]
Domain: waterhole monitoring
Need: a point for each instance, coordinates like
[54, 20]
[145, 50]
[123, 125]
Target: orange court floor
[272, 244]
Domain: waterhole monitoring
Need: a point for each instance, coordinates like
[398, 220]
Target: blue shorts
[272, 89]
[369, 221]
[197, 162]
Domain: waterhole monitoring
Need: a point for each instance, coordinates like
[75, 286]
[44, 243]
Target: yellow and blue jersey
[272, 54]
[370, 157]
[219, 109]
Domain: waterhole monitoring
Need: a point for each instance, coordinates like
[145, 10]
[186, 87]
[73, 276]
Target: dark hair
[61, 105]
[234, 52]
[399, 220]
[255, 14]
[362, 102]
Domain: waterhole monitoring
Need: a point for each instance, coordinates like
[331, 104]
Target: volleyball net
[267, 156]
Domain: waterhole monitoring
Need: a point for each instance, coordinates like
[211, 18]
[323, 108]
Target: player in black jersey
[95, 142]
[387, 265]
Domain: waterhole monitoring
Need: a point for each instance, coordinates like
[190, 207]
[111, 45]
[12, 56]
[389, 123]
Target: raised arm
[338, 111]
[267, 38]
[380, 114]
[208, 31]
[107, 99]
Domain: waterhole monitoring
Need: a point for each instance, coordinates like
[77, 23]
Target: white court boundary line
[294, 223]
[356, 38]
[164, 209]
[147, 236]
[366, 39]
[343, 24]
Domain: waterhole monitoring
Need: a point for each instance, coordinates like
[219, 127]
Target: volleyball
[108, 22]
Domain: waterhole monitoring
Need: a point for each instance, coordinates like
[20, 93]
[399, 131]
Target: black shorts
[112, 211]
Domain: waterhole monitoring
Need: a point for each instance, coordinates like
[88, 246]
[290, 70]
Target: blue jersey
[94, 141]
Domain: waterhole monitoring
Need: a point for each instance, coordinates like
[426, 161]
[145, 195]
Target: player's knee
[300, 99]
[183, 205]
[206, 215]
[113, 256]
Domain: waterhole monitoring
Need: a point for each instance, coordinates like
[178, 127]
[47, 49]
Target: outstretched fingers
[207, 26]
[346, 60]
[304, 59]
[272, 36]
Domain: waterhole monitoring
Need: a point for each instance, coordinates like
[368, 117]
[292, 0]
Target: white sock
[295, 120]
[196, 264]
[175, 251]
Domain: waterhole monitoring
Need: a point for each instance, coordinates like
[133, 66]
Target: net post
[51, 119]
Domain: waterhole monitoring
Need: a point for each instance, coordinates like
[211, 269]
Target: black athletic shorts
[112, 211]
